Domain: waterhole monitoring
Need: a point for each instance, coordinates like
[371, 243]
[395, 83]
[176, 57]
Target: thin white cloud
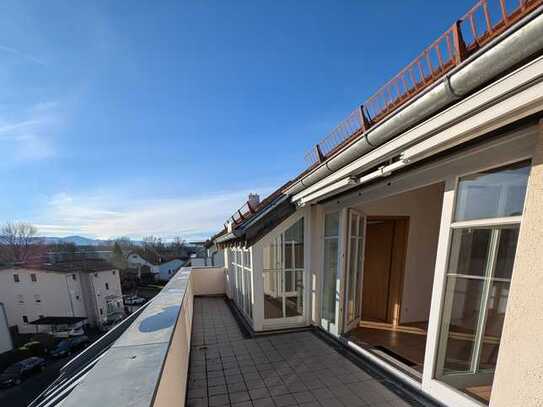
[29, 135]
[22, 55]
[105, 217]
[11, 128]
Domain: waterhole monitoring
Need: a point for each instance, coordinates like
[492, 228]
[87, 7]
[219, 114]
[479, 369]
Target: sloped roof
[277, 207]
[89, 266]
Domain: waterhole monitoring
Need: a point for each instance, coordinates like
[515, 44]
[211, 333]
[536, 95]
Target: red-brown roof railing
[482, 23]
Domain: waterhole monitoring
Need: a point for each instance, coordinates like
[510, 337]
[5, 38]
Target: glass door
[355, 265]
[331, 276]
[283, 274]
[484, 233]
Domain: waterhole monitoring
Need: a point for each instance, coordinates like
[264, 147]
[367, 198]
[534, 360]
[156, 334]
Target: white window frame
[301, 320]
[515, 146]
[337, 328]
[430, 384]
[242, 282]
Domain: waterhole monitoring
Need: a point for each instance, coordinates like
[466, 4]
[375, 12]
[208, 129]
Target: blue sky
[159, 117]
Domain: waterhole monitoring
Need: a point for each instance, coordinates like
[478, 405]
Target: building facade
[6, 343]
[33, 292]
[416, 239]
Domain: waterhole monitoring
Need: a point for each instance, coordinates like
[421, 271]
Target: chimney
[253, 200]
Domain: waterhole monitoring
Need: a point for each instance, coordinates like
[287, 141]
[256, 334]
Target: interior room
[399, 259]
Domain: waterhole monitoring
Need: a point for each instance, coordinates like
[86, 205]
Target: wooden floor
[407, 345]
[480, 392]
[406, 342]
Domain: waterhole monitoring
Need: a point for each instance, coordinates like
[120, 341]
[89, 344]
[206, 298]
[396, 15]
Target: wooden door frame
[397, 266]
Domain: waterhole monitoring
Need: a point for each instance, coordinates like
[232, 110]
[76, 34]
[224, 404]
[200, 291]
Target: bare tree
[124, 242]
[153, 242]
[179, 247]
[18, 241]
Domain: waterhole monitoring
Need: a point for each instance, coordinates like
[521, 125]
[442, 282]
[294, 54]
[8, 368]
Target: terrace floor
[293, 369]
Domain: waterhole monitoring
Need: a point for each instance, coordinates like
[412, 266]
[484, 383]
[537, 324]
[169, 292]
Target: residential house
[137, 260]
[85, 289]
[162, 268]
[167, 268]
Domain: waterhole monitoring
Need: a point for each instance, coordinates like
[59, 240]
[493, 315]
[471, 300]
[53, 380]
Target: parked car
[68, 346]
[34, 347]
[67, 331]
[133, 300]
[19, 371]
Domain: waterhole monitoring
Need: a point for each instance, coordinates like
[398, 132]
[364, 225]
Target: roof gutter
[512, 47]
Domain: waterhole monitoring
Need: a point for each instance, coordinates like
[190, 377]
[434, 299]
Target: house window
[33, 277]
[16, 278]
[107, 286]
[484, 237]
[25, 319]
[73, 277]
[113, 272]
[77, 297]
[101, 311]
[37, 298]
[283, 274]
[242, 281]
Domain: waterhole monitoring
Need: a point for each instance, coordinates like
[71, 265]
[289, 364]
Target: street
[22, 395]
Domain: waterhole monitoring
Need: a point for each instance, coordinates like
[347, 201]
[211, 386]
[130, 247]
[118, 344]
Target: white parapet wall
[147, 364]
[208, 280]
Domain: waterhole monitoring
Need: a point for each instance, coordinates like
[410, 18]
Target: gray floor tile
[273, 371]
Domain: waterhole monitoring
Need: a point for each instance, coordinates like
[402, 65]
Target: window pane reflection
[283, 274]
[494, 193]
[479, 275]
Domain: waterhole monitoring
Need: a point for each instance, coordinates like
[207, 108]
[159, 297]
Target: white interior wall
[423, 206]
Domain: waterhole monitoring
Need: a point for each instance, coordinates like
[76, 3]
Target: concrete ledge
[131, 371]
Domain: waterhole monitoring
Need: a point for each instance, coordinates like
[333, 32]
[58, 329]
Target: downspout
[520, 42]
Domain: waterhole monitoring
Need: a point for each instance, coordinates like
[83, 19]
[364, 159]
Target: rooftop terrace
[291, 369]
[149, 360]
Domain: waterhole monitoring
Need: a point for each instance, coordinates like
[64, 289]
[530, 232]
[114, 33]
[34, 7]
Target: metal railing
[482, 23]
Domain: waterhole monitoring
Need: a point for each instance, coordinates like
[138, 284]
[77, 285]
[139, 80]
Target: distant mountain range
[77, 240]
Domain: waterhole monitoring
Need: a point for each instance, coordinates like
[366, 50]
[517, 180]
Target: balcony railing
[144, 360]
[482, 23]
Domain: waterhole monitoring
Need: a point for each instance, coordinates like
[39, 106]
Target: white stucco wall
[6, 343]
[518, 379]
[105, 287]
[53, 294]
[423, 206]
[208, 280]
